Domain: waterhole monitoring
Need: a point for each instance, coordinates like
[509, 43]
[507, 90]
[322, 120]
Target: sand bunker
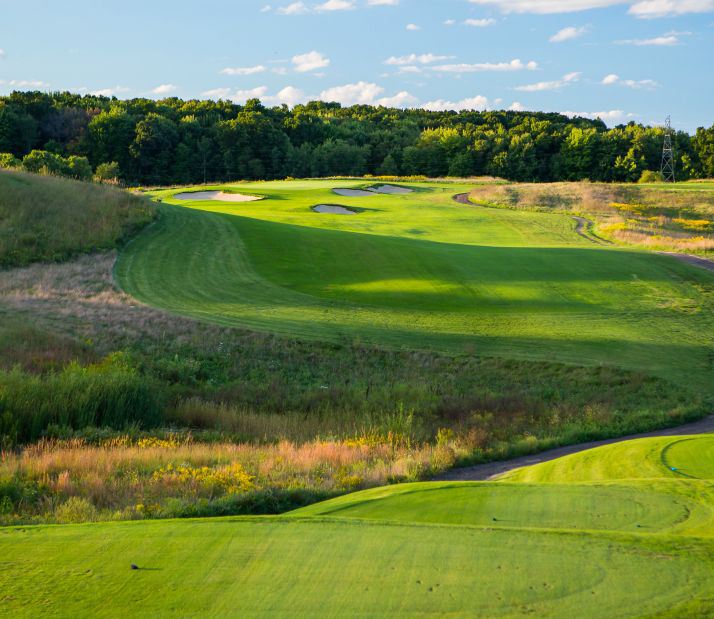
[215, 195]
[391, 189]
[332, 209]
[353, 193]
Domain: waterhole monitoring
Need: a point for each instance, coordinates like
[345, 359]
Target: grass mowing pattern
[641, 548]
[420, 271]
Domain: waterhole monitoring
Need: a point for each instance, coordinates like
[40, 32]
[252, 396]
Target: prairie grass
[126, 479]
[47, 218]
[652, 217]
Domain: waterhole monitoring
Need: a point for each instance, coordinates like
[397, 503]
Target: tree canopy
[175, 141]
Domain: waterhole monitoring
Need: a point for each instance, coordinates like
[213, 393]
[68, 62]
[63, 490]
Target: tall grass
[46, 218]
[75, 397]
[655, 218]
[124, 479]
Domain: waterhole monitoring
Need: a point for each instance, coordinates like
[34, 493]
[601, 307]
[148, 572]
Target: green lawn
[420, 271]
[565, 547]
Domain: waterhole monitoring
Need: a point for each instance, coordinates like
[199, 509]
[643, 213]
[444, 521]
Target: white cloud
[289, 95]
[664, 8]
[336, 5]
[23, 84]
[266, 9]
[382, 2]
[401, 99]
[216, 93]
[449, 22]
[479, 23]
[665, 40]
[310, 62]
[164, 89]
[410, 69]
[2, 53]
[644, 9]
[513, 65]
[362, 93]
[516, 107]
[474, 103]
[243, 70]
[552, 85]
[613, 78]
[366, 93]
[547, 6]
[412, 59]
[610, 116]
[241, 96]
[413, 27]
[110, 92]
[568, 34]
[295, 8]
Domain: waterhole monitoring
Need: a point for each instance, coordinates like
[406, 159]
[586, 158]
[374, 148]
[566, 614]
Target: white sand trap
[391, 189]
[215, 195]
[332, 209]
[353, 193]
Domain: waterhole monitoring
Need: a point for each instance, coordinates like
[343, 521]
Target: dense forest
[142, 141]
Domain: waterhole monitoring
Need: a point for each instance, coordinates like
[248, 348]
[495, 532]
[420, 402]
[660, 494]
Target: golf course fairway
[635, 547]
[419, 271]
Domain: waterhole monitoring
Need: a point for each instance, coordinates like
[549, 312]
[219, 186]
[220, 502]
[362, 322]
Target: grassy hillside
[420, 271]
[636, 548]
[46, 218]
[660, 216]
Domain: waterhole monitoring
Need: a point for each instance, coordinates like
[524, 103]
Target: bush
[44, 162]
[650, 176]
[107, 173]
[9, 161]
[75, 510]
[99, 396]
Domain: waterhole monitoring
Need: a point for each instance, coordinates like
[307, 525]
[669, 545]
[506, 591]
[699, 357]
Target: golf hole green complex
[418, 271]
[573, 546]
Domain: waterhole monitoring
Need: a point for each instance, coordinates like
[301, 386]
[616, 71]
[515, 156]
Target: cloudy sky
[616, 59]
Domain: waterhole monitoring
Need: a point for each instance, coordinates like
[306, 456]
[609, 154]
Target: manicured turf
[420, 271]
[689, 457]
[612, 548]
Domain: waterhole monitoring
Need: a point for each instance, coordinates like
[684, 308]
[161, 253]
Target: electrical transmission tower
[667, 168]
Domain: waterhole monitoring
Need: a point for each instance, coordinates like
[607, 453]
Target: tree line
[143, 141]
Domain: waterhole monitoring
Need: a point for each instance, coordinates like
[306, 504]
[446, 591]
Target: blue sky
[619, 59]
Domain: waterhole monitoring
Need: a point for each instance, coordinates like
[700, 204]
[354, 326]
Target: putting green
[605, 507]
[420, 271]
[667, 458]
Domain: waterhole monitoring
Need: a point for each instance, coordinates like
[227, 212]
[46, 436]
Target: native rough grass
[658, 217]
[47, 218]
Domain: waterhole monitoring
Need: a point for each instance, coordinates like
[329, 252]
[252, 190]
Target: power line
[667, 168]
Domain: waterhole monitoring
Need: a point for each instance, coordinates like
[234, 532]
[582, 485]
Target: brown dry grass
[120, 478]
[629, 214]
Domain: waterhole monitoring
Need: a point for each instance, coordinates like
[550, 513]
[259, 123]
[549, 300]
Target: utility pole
[667, 168]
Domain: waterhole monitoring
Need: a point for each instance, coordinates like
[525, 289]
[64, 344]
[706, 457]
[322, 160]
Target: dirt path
[462, 198]
[690, 259]
[489, 470]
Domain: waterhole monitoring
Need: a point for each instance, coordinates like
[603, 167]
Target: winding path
[489, 470]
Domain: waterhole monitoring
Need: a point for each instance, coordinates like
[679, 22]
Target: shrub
[75, 398]
[650, 176]
[75, 510]
[8, 161]
[108, 173]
